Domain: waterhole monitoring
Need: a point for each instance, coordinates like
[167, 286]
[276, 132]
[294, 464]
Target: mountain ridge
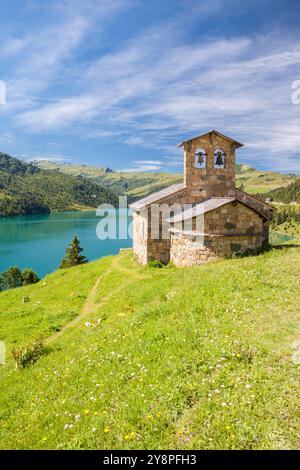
[28, 189]
[140, 184]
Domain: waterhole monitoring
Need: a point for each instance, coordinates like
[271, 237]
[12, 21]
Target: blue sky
[120, 83]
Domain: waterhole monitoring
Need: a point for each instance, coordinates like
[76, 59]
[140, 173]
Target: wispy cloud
[55, 158]
[143, 165]
[154, 87]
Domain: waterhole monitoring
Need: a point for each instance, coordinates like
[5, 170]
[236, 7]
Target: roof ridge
[213, 131]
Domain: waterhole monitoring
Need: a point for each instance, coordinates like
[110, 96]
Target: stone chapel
[231, 221]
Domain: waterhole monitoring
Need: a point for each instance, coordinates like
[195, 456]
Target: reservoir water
[39, 241]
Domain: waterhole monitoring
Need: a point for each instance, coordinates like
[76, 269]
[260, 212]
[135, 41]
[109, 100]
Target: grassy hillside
[255, 181]
[156, 358]
[137, 185]
[26, 189]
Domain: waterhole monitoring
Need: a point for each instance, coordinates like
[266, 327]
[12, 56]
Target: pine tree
[73, 256]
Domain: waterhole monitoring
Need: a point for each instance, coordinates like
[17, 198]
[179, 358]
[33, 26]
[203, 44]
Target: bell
[200, 158]
[219, 159]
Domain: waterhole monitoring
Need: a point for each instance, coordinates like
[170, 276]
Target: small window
[200, 158]
[219, 158]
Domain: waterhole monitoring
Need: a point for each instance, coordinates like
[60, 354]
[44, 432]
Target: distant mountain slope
[137, 185]
[27, 189]
[288, 194]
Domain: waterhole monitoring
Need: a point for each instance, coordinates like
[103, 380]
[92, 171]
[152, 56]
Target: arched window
[200, 158]
[219, 158]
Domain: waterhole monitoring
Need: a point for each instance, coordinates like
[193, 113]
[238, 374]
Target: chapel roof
[213, 132]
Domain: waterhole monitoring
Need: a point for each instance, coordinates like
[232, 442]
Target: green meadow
[145, 358]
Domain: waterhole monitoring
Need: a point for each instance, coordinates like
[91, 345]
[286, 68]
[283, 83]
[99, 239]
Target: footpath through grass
[156, 358]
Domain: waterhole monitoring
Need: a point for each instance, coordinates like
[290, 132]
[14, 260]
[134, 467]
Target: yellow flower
[158, 414]
[238, 355]
[86, 412]
[127, 437]
[45, 439]
[106, 430]
[227, 427]
[132, 435]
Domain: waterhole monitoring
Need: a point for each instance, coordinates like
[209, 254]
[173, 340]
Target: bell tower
[209, 165]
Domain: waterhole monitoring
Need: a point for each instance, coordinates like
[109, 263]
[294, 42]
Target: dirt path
[90, 304]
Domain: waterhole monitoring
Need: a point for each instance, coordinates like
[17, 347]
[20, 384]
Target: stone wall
[186, 251]
[140, 235]
[230, 229]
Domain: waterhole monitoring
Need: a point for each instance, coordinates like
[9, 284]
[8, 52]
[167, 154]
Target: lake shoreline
[39, 241]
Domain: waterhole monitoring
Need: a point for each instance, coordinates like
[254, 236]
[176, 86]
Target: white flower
[248, 386]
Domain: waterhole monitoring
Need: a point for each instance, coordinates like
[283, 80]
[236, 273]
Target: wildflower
[68, 426]
[86, 412]
[248, 386]
[45, 439]
[106, 430]
[127, 437]
[94, 429]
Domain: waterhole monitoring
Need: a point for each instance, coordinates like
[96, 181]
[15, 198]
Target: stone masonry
[233, 228]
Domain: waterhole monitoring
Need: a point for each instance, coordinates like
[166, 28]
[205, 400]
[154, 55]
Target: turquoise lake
[39, 241]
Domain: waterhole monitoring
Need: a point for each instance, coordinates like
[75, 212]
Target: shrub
[13, 277]
[24, 357]
[155, 263]
[29, 277]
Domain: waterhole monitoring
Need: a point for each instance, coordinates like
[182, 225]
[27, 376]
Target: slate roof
[156, 197]
[201, 208]
[213, 131]
[257, 205]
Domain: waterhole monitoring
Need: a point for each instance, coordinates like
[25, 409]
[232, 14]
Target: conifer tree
[73, 256]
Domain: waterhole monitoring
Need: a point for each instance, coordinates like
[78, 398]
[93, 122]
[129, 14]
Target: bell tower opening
[219, 158]
[200, 158]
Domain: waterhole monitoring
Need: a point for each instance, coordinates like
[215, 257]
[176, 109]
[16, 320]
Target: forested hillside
[286, 195]
[27, 189]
